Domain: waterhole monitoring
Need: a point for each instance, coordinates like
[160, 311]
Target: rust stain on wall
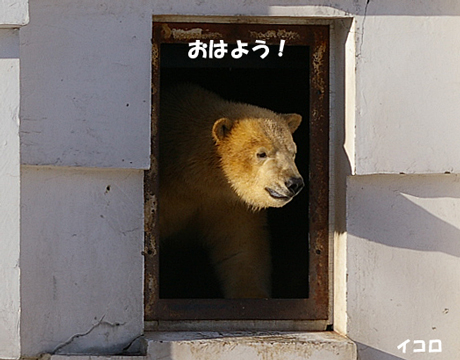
[275, 34]
[318, 65]
[150, 209]
[196, 33]
[155, 65]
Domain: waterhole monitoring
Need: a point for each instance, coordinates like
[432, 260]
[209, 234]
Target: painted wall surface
[13, 13]
[85, 81]
[9, 194]
[81, 260]
[403, 265]
[408, 89]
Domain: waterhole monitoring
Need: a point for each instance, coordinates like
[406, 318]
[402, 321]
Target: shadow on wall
[417, 212]
[367, 7]
[370, 353]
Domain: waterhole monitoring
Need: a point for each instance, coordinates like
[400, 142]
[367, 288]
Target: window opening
[180, 279]
[280, 84]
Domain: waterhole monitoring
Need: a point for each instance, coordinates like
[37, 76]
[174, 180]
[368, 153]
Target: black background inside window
[280, 84]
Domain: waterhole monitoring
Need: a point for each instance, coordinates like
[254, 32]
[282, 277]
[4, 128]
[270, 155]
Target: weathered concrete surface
[85, 81]
[81, 257]
[249, 346]
[235, 346]
[403, 265]
[89, 357]
[9, 194]
[14, 13]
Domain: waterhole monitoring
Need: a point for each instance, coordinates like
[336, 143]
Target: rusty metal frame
[316, 307]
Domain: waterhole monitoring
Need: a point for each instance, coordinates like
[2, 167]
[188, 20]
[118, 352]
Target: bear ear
[221, 128]
[293, 121]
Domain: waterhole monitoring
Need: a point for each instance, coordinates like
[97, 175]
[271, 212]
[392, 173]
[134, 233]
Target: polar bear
[223, 163]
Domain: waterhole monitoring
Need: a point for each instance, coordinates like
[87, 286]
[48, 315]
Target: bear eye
[261, 154]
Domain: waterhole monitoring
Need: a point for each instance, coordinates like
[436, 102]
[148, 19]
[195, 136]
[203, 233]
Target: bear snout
[294, 185]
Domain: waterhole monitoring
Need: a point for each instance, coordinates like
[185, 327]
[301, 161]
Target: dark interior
[282, 85]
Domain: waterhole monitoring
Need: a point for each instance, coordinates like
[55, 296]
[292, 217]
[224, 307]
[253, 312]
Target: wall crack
[91, 329]
[137, 346]
[362, 28]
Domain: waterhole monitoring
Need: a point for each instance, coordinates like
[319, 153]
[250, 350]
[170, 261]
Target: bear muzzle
[293, 186]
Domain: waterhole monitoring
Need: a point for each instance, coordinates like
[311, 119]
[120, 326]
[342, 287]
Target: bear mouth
[276, 195]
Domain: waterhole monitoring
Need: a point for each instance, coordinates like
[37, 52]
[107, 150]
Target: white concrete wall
[407, 101]
[9, 194]
[403, 264]
[85, 85]
[85, 80]
[81, 260]
[13, 13]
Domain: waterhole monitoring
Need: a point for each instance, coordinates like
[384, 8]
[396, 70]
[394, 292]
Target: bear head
[257, 157]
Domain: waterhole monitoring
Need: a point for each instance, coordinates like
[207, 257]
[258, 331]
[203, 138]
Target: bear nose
[294, 185]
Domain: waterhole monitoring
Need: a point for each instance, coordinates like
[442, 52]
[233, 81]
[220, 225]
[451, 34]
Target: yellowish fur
[214, 178]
